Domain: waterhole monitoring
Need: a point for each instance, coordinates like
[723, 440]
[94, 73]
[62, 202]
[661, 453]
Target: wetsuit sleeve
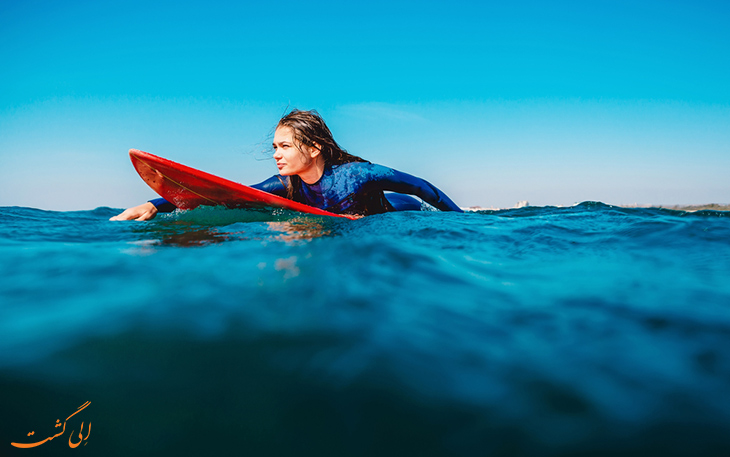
[163, 206]
[274, 185]
[404, 183]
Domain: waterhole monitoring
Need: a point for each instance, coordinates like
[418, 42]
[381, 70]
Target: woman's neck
[312, 174]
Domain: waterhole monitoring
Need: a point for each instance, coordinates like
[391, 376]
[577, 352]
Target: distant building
[522, 204]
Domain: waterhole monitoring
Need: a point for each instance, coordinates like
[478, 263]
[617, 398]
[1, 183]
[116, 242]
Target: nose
[277, 154]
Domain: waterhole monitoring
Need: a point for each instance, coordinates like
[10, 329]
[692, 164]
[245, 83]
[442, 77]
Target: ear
[315, 150]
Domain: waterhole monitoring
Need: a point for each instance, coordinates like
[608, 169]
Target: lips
[280, 165]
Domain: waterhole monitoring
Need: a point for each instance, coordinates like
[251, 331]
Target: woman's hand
[143, 212]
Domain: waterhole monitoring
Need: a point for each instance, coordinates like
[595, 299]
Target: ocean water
[589, 330]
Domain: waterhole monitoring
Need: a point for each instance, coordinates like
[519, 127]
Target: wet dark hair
[309, 129]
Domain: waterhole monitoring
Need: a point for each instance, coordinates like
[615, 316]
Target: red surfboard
[188, 188]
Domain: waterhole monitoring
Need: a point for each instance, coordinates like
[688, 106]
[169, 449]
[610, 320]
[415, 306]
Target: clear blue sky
[494, 102]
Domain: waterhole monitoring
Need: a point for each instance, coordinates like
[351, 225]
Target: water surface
[590, 330]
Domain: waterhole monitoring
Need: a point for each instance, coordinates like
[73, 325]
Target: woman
[315, 170]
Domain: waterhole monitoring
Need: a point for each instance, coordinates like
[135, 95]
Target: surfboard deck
[188, 188]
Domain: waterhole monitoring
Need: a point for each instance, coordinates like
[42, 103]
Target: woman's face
[291, 158]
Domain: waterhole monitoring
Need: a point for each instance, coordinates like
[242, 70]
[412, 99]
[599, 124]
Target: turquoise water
[590, 330]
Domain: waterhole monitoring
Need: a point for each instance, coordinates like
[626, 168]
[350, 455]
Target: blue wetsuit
[354, 188]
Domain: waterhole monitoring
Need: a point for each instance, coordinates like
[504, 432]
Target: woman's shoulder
[365, 169]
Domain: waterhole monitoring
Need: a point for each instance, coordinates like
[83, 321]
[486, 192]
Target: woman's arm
[149, 210]
[275, 185]
[143, 212]
[404, 183]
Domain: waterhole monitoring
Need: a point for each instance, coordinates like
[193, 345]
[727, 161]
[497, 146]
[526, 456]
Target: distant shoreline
[708, 206]
[688, 208]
